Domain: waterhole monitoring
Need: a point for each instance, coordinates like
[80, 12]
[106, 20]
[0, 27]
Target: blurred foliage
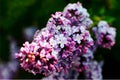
[15, 15]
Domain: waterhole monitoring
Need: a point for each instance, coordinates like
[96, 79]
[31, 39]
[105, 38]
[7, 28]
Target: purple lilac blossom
[54, 47]
[57, 22]
[71, 74]
[74, 71]
[105, 35]
[64, 43]
[67, 33]
[71, 40]
[94, 71]
[77, 15]
[55, 76]
[80, 63]
[57, 43]
[37, 56]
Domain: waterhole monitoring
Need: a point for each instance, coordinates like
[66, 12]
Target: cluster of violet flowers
[64, 48]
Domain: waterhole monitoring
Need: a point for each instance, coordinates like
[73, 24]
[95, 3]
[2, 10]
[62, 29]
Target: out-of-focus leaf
[14, 9]
[102, 11]
[110, 19]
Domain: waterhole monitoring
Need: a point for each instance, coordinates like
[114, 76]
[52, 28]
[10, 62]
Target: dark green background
[15, 15]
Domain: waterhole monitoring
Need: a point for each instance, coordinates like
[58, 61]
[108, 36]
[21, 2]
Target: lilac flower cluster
[65, 32]
[55, 46]
[55, 76]
[70, 38]
[77, 14]
[94, 71]
[72, 74]
[38, 56]
[65, 45]
[105, 34]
